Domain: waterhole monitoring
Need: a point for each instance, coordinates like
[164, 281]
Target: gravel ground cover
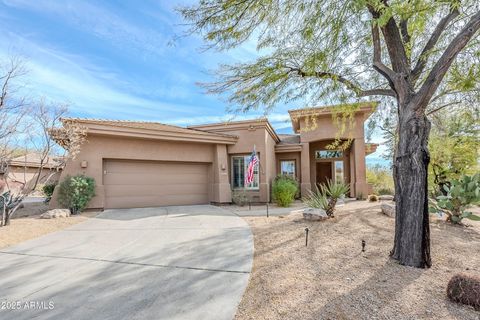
[333, 279]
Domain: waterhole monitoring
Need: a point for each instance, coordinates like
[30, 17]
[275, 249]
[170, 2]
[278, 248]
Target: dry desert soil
[332, 278]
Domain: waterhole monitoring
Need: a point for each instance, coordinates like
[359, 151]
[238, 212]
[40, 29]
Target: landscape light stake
[249, 205]
[306, 236]
[267, 209]
[363, 245]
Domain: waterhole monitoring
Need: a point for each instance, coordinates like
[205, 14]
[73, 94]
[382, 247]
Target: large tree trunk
[412, 231]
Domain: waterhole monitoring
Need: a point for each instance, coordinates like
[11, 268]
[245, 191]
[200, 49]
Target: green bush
[75, 192]
[461, 194]
[385, 191]
[372, 198]
[48, 191]
[284, 190]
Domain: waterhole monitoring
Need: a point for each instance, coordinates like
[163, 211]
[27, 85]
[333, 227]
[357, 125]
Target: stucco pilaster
[221, 191]
[305, 183]
[361, 187]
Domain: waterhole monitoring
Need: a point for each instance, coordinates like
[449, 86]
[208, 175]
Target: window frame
[340, 154]
[256, 173]
[294, 167]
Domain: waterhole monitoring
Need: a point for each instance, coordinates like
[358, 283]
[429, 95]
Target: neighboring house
[142, 164]
[23, 170]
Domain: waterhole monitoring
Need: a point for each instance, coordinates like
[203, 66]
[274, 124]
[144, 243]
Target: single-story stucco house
[23, 170]
[145, 164]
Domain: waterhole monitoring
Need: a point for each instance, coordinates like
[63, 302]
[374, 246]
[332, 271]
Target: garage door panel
[131, 183]
[154, 178]
[152, 190]
[153, 201]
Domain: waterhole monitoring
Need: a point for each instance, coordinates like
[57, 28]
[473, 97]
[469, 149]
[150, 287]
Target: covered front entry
[133, 183]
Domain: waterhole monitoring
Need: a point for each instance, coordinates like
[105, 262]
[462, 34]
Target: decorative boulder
[388, 209]
[386, 197]
[314, 214]
[55, 213]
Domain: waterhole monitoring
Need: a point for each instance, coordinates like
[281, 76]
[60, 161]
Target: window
[328, 154]
[339, 171]
[239, 169]
[287, 167]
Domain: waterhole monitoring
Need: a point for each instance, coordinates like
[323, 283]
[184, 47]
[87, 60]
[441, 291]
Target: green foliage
[385, 191]
[48, 191]
[316, 199]
[75, 192]
[326, 196]
[284, 190]
[454, 146]
[461, 194]
[381, 179]
[239, 197]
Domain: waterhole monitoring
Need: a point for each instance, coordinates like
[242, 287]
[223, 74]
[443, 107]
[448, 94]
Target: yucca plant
[316, 199]
[326, 196]
[333, 191]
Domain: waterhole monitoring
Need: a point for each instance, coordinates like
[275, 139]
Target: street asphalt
[185, 262]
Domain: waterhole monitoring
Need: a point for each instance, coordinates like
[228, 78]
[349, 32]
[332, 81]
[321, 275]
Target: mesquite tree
[409, 52]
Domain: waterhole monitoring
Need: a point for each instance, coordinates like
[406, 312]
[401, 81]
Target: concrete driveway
[189, 262]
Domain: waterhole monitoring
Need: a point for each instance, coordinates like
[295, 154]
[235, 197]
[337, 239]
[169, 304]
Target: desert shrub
[326, 197]
[372, 198]
[461, 194]
[385, 191]
[48, 191]
[380, 178]
[239, 198]
[75, 192]
[284, 190]
[464, 289]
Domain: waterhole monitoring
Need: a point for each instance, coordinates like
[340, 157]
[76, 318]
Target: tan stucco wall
[317, 132]
[100, 147]
[20, 176]
[264, 145]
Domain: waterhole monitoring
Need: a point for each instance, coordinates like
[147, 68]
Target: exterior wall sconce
[223, 167]
[84, 164]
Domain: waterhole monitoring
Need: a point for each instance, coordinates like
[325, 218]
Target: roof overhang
[282, 148]
[366, 108]
[171, 133]
[239, 125]
[370, 148]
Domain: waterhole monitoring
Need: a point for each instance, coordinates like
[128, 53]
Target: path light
[363, 245]
[306, 236]
[267, 209]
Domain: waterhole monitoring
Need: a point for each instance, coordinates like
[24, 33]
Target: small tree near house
[409, 54]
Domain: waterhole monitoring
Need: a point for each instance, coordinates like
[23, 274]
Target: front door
[324, 172]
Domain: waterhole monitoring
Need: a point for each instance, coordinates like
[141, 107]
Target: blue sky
[121, 60]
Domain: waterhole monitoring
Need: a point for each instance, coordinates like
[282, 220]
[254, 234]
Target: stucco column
[305, 183]
[221, 191]
[361, 187]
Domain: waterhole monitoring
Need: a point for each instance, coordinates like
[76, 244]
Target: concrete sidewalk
[190, 262]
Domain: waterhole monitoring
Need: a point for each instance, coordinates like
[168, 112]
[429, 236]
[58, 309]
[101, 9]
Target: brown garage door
[133, 184]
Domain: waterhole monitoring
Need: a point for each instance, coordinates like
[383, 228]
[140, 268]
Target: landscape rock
[385, 197]
[55, 213]
[314, 214]
[388, 209]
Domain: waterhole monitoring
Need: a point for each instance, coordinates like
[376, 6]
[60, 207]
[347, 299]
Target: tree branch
[349, 84]
[378, 65]
[439, 70]
[423, 58]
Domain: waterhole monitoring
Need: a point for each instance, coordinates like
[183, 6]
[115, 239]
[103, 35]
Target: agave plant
[326, 196]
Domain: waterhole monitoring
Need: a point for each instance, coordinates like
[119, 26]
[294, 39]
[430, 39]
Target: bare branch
[378, 65]
[439, 70]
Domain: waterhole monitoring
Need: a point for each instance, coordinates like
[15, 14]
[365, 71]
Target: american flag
[252, 162]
